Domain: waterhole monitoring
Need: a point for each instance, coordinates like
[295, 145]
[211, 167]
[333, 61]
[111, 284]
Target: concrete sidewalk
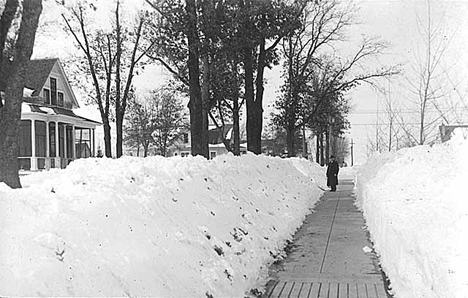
[326, 258]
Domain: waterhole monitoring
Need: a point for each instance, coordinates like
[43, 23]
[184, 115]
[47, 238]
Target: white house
[216, 147]
[51, 134]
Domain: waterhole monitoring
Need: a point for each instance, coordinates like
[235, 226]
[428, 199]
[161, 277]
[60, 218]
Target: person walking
[332, 173]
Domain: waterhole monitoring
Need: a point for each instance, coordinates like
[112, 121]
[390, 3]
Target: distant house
[51, 134]
[446, 131]
[215, 139]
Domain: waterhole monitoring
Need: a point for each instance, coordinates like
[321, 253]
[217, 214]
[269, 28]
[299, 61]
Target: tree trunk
[317, 148]
[290, 127]
[164, 144]
[257, 127]
[197, 138]
[119, 109]
[304, 143]
[327, 146]
[290, 140]
[145, 149]
[249, 99]
[7, 18]
[235, 113]
[119, 118]
[322, 149]
[10, 113]
[236, 127]
[205, 96]
[10, 116]
[107, 137]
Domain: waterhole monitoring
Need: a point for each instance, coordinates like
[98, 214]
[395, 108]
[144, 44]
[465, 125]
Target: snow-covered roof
[28, 109]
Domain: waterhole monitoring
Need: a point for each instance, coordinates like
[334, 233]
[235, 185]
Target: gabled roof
[38, 71]
[37, 74]
[446, 131]
[215, 137]
[38, 109]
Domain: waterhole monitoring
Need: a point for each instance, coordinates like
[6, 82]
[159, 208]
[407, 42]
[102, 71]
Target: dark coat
[332, 173]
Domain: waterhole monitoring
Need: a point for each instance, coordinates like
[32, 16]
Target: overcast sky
[395, 21]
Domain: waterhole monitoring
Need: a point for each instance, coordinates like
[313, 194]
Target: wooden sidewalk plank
[287, 290]
[296, 290]
[343, 290]
[371, 293]
[306, 287]
[314, 291]
[328, 261]
[380, 290]
[352, 291]
[324, 288]
[277, 290]
[361, 290]
[333, 291]
[269, 288]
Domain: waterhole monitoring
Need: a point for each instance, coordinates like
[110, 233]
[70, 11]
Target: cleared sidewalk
[326, 258]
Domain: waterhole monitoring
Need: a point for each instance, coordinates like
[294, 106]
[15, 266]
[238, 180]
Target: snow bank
[161, 227]
[416, 209]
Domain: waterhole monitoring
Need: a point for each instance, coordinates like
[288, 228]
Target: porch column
[33, 146]
[57, 150]
[93, 143]
[65, 142]
[47, 160]
[73, 155]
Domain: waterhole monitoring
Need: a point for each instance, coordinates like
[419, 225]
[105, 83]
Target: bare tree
[306, 61]
[341, 149]
[389, 132]
[169, 120]
[111, 59]
[429, 85]
[323, 25]
[10, 104]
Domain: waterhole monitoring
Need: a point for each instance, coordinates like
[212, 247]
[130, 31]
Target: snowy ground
[188, 227]
[415, 204]
[175, 227]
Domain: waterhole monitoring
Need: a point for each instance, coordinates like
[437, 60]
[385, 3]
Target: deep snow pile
[416, 208]
[161, 227]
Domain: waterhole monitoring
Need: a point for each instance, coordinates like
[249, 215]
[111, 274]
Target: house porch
[47, 142]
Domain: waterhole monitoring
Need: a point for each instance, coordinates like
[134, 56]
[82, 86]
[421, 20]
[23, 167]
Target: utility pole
[331, 121]
[304, 143]
[352, 145]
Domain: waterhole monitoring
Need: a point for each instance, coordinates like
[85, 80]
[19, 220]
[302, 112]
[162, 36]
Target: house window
[60, 99]
[212, 154]
[53, 91]
[82, 142]
[61, 140]
[52, 151]
[25, 141]
[69, 132]
[24, 164]
[185, 138]
[40, 138]
[46, 96]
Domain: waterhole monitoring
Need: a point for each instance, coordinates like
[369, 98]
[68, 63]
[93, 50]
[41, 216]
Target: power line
[380, 124]
[405, 111]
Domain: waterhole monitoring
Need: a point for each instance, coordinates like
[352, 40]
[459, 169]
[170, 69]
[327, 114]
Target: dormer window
[60, 99]
[53, 91]
[47, 96]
